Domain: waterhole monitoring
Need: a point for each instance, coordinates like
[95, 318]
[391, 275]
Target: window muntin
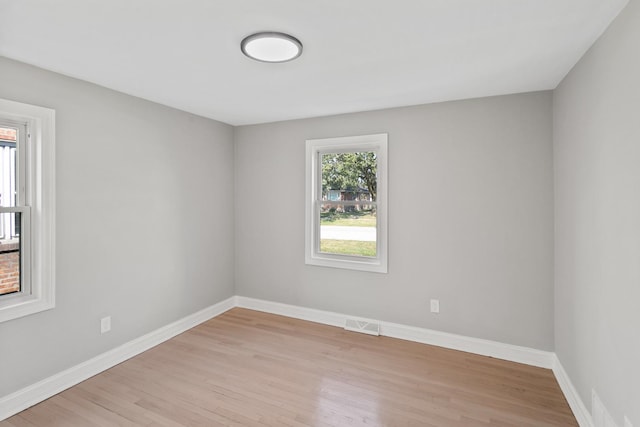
[346, 203]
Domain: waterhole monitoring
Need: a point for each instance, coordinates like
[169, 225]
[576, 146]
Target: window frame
[37, 203]
[315, 148]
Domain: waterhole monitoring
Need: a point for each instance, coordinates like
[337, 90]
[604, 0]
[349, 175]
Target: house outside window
[346, 225]
[26, 209]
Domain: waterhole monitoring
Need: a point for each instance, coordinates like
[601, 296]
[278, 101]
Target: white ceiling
[358, 54]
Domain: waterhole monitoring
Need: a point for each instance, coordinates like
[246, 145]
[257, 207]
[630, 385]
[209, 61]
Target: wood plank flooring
[246, 368]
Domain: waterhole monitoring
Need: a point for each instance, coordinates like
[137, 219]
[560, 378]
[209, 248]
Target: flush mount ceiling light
[271, 47]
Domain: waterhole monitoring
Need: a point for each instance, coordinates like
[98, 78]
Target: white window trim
[41, 202]
[314, 149]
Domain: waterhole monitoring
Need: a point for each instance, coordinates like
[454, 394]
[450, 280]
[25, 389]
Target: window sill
[356, 263]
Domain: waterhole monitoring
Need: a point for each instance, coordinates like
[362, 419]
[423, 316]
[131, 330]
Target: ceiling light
[271, 47]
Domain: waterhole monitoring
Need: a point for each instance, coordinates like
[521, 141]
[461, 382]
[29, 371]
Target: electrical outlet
[105, 324]
[627, 423]
[435, 306]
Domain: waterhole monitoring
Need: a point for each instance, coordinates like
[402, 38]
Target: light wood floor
[246, 368]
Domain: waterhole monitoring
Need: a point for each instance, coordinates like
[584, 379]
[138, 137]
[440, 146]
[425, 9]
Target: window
[14, 215]
[26, 209]
[346, 209]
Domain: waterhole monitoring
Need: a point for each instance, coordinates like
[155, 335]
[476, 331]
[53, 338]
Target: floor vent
[362, 326]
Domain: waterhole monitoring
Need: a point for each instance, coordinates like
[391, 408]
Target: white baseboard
[35, 393]
[294, 311]
[599, 416]
[498, 350]
[529, 356]
[580, 411]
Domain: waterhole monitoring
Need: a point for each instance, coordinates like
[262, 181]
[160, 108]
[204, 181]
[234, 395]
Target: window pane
[348, 228]
[9, 252]
[347, 212]
[349, 176]
[8, 134]
[8, 138]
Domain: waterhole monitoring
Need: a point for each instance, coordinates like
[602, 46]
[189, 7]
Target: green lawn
[353, 219]
[348, 247]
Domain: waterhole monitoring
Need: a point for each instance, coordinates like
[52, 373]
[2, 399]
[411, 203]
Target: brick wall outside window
[9, 272]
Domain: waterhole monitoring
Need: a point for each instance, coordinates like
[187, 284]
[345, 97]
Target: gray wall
[145, 219]
[597, 213]
[470, 218]
[141, 234]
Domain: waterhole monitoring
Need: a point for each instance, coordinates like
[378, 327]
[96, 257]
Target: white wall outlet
[105, 324]
[435, 306]
[627, 423]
